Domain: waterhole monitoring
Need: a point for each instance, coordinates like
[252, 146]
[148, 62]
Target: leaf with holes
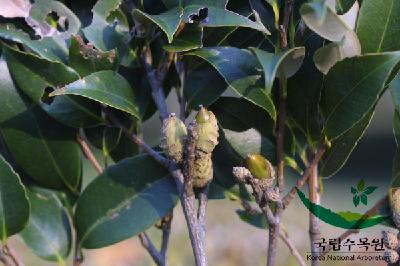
[14, 205]
[43, 148]
[106, 87]
[49, 232]
[34, 75]
[130, 197]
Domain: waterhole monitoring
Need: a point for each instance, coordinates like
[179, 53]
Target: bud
[390, 240]
[395, 205]
[259, 167]
[173, 137]
[203, 171]
[206, 128]
[391, 256]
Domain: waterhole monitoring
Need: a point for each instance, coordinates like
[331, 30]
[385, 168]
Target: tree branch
[166, 231]
[370, 212]
[155, 81]
[89, 154]
[314, 225]
[300, 183]
[151, 249]
[9, 252]
[292, 248]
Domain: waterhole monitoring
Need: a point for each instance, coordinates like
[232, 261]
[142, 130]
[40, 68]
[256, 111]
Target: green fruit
[258, 166]
[173, 138]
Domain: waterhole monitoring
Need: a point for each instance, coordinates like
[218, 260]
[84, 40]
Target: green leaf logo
[361, 193]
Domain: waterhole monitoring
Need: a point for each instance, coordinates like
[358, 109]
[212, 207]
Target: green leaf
[338, 219]
[106, 87]
[106, 36]
[364, 199]
[34, 74]
[356, 200]
[342, 6]
[256, 219]
[41, 147]
[48, 233]
[370, 190]
[396, 162]
[394, 88]
[240, 70]
[199, 90]
[167, 21]
[47, 47]
[304, 93]
[86, 59]
[323, 21]
[353, 190]
[221, 17]
[347, 99]
[129, 198]
[378, 26]
[190, 38]
[361, 185]
[14, 205]
[336, 156]
[279, 65]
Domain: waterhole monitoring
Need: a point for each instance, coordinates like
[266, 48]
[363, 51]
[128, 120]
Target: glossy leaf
[86, 59]
[347, 99]
[48, 233]
[34, 74]
[106, 87]
[48, 153]
[221, 17]
[282, 64]
[48, 48]
[167, 21]
[342, 147]
[190, 38]
[239, 69]
[378, 26]
[324, 21]
[14, 205]
[304, 93]
[203, 91]
[257, 219]
[106, 36]
[129, 198]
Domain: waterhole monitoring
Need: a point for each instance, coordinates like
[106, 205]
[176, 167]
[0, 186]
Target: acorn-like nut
[203, 171]
[390, 240]
[395, 206]
[173, 138]
[259, 167]
[391, 256]
[206, 128]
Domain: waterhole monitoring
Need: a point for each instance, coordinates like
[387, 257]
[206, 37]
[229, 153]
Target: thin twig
[166, 231]
[370, 212]
[9, 252]
[314, 225]
[78, 256]
[5, 259]
[157, 91]
[89, 154]
[201, 213]
[151, 249]
[292, 248]
[286, 239]
[300, 183]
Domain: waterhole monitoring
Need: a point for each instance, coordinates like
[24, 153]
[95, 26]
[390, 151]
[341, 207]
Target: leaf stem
[89, 154]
